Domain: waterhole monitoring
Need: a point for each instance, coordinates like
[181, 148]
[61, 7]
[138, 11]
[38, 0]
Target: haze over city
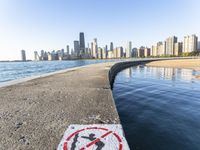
[50, 25]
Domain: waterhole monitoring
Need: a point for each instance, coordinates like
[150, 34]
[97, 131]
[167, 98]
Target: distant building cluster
[170, 47]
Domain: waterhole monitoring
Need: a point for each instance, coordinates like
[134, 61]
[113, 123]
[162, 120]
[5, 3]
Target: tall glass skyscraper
[76, 48]
[82, 43]
[111, 46]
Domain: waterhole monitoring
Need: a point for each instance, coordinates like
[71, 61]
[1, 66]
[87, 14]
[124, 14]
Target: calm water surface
[16, 70]
[159, 107]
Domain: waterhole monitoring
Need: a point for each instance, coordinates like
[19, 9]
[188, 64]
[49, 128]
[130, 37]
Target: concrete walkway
[35, 114]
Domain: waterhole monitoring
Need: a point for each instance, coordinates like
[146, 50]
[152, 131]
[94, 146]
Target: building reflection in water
[128, 72]
[175, 73]
[162, 73]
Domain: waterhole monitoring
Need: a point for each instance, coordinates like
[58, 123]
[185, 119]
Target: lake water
[16, 70]
[159, 107]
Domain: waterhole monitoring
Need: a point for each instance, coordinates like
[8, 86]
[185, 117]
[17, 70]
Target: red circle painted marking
[65, 146]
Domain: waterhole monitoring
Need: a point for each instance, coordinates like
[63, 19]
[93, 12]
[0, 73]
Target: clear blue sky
[52, 24]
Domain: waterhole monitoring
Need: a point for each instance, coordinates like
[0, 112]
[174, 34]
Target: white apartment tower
[190, 43]
[128, 50]
[170, 45]
[94, 49]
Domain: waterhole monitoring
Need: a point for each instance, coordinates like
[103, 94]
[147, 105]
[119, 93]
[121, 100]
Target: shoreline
[34, 114]
[178, 63]
[193, 64]
[29, 78]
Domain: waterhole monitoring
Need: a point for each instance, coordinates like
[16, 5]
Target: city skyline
[167, 48]
[48, 25]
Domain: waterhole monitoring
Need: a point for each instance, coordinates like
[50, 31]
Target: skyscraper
[95, 49]
[118, 52]
[160, 48]
[170, 45]
[105, 52]
[178, 49]
[82, 43]
[128, 50]
[36, 56]
[92, 52]
[111, 46]
[190, 43]
[23, 55]
[154, 50]
[76, 48]
[147, 52]
[67, 48]
[198, 46]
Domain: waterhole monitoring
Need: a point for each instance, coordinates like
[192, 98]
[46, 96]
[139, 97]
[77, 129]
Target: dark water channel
[159, 107]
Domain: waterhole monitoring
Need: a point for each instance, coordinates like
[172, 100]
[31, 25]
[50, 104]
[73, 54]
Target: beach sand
[182, 63]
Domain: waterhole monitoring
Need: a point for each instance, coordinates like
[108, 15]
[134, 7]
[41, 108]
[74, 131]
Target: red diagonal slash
[96, 140]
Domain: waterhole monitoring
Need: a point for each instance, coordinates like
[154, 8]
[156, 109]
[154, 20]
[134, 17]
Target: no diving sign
[94, 137]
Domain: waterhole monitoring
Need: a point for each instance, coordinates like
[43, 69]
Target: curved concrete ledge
[117, 67]
[34, 114]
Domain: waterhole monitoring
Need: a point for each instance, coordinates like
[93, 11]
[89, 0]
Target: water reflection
[159, 107]
[163, 73]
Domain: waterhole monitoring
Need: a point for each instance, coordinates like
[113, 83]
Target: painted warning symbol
[94, 137]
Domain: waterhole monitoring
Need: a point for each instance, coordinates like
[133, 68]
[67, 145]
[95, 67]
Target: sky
[34, 25]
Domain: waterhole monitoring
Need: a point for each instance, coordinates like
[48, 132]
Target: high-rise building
[154, 51]
[95, 49]
[160, 49]
[170, 43]
[76, 48]
[128, 50]
[105, 52]
[190, 43]
[100, 53]
[42, 54]
[118, 52]
[134, 52]
[141, 52]
[49, 56]
[147, 52]
[110, 54]
[67, 48]
[111, 46]
[82, 43]
[87, 50]
[23, 55]
[178, 49]
[198, 46]
[36, 56]
[92, 52]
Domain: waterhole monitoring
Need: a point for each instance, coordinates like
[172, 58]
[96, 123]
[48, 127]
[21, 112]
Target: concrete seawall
[34, 114]
[117, 67]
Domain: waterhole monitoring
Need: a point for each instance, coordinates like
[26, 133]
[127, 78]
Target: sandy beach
[35, 114]
[179, 63]
[182, 63]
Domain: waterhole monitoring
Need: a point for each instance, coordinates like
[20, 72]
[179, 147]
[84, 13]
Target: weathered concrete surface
[35, 114]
